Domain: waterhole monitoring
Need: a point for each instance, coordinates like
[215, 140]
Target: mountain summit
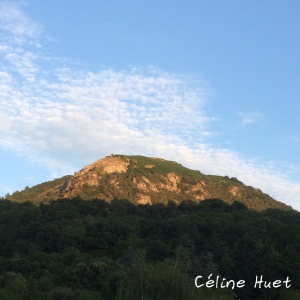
[146, 180]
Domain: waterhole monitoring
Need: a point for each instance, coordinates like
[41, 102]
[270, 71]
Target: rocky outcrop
[91, 175]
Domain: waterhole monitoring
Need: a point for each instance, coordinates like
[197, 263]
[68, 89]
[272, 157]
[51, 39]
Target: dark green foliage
[13, 286]
[75, 249]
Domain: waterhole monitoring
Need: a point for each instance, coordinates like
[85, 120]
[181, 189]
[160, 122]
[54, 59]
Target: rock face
[91, 175]
[144, 180]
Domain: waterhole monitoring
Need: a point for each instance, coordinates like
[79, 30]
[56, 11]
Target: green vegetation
[75, 249]
[163, 166]
[41, 192]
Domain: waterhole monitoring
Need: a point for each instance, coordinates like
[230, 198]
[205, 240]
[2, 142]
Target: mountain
[146, 180]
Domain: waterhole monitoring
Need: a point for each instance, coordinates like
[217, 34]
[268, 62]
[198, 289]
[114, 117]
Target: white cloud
[88, 112]
[65, 118]
[252, 117]
[18, 28]
[19, 37]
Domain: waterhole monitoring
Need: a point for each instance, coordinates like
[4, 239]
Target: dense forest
[75, 249]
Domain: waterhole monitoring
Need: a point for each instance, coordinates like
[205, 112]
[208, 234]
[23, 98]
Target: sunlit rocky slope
[145, 180]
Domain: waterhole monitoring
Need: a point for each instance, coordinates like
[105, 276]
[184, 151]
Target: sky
[211, 84]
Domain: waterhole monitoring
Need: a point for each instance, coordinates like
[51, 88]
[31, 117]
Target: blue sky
[213, 85]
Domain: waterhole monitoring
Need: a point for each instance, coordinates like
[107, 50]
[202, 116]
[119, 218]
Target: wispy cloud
[17, 27]
[64, 118]
[251, 117]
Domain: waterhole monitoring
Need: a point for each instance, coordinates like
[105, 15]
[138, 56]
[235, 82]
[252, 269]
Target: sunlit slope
[146, 180]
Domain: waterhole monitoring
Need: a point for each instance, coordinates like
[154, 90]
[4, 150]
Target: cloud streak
[252, 117]
[64, 118]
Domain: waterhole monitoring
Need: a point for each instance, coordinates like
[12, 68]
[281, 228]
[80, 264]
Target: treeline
[75, 249]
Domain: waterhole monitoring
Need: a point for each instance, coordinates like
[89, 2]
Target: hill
[145, 180]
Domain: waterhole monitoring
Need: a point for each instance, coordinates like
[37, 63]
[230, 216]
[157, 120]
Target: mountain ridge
[146, 180]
